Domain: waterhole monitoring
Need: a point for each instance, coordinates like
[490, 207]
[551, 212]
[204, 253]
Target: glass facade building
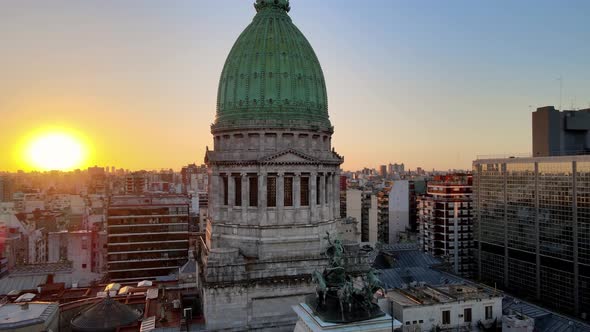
[532, 228]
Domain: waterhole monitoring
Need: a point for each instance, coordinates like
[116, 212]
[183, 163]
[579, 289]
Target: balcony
[148, 258]
[144, 216]
[147, 238]
[146, 251]
[184, 232]
[150, 225]
[146, 269]
[117, 267]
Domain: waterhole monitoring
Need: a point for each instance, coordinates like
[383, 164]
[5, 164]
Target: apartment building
[446, 221]
[147, 236]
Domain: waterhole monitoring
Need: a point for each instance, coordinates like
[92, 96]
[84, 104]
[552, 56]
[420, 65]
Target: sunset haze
[432, 84]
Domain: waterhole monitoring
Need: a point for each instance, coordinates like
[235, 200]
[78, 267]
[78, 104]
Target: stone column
[322, 202]
[231, 191]
[297, 190]
[330, 195]
[280, 197]
[313, 189]
[217, 198]
[245, 196]
[262, 206]
[336, 186]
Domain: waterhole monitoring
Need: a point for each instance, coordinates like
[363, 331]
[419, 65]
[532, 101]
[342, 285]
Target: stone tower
[273, 189]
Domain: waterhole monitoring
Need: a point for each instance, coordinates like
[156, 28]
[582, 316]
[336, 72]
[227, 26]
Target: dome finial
[282, 4]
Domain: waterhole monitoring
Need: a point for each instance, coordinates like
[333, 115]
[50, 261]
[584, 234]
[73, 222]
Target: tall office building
[136, 183]
[399, 209]
[558, 133]
[446, 222]
[533, 228]
[354, 207]
[369, 217]
[97, 180]
[343, 186]
[6, 188]
[396, 168]
[383, 171]
[147, 236]
[383, 216]
[194, 178]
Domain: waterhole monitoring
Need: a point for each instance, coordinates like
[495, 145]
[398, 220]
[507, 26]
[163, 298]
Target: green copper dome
[272, 77]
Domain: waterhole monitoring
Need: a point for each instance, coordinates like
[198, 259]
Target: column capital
[298, 174]
[281, 174]
[243, 174]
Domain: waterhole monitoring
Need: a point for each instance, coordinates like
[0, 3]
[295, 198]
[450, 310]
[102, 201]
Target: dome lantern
[282, 4]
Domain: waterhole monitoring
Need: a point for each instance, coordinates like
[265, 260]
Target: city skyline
[379, 165]
[424, 80]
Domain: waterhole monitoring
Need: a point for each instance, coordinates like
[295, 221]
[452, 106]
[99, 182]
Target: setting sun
[55, 151]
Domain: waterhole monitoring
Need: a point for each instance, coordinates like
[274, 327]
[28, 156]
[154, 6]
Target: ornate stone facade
[270, 204]
[274, 178]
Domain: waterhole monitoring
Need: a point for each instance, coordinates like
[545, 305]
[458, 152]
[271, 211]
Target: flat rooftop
[13, 315]
[520, 158]
[430, 295]
[148, 200]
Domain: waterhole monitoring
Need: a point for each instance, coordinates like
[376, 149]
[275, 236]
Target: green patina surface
[272, 76]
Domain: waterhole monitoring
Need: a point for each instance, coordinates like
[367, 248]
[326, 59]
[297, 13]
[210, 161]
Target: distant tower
[383, 171]
[558, 133]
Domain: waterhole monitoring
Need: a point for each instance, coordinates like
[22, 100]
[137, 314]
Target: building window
[446, 317]
[271, 191]
[225, 193]
[83, 266]
[467, 315]
[317, 190]
[304, 191]
[253, 191]
[238, 190]
[488, 312]
[289, 191]
[421, 321]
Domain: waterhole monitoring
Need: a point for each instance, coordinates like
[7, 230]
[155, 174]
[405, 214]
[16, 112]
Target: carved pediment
[289, 156]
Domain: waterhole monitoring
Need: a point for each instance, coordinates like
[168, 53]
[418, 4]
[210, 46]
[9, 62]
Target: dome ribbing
[272, 76]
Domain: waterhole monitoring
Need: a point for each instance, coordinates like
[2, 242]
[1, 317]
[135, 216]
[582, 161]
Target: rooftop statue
[341, 297]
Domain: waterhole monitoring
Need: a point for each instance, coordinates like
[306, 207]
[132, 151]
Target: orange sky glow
[136, 81]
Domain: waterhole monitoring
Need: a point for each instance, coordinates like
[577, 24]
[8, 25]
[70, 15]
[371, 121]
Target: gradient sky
[430, 83]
